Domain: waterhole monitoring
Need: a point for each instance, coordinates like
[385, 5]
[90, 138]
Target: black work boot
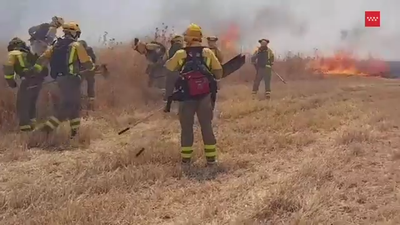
[267, 95]
[254, 94]
[185, 163]
[90, 104]
[74, 132]
[211, 161]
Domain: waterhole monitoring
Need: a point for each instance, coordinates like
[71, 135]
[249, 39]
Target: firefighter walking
[20, 61]
[41, 36]
[66, 58]
[199, 67]
[263, 59]
[89, 76]
[172, 76]
[212, 44]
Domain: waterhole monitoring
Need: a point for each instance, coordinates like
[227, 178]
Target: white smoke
[290, 25]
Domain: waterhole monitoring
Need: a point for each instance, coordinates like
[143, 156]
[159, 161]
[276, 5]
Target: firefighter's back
[63, 59]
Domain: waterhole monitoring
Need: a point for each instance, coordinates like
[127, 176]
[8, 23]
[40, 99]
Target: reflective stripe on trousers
[187, 111]
[70, 103]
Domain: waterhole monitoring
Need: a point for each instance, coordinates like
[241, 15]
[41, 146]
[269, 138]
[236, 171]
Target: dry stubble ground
[320, 152]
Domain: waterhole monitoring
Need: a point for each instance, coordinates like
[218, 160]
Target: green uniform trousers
[263, 74]
[26, 102]
[69, 105]
[187, 111]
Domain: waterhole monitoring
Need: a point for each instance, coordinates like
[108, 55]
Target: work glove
[12, 83]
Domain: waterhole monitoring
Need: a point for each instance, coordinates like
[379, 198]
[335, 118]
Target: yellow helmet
[57, 21]
[193, 33]
[72, 29]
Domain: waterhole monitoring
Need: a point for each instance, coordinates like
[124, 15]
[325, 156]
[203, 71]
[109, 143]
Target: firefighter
[199, 67]
[89, 76]
[263, 59]
[212, 44]
[176, 44]
[41, 36]
[66, 58]
[154, 52]
[20, 61]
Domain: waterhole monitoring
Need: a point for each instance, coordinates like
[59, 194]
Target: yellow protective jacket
[270, 57]
[218, 54]
[78, 58]
[176, 62]
[17, 64]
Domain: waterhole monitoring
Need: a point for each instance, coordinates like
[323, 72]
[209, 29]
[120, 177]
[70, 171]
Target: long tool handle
[283, 80]
[141, 120]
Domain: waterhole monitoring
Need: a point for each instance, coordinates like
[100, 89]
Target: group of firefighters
[192, 69]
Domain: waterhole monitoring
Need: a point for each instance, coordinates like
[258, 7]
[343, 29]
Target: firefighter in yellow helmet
[66, 57]
[176, 44]
[41, 36]
[263, 59]
[199, 67]
[19, 62]
[154, 53]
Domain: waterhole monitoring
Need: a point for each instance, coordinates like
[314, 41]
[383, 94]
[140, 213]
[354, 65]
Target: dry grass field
[321, 151]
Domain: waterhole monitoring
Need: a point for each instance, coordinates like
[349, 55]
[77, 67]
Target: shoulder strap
[194, 52]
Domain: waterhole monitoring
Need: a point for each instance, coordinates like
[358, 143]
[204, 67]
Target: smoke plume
[297, 26]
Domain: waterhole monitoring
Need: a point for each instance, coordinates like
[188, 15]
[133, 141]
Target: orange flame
[230, 38]
[342, 63]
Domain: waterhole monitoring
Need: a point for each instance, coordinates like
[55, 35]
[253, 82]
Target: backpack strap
[193, 54]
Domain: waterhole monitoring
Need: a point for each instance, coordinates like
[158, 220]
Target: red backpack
[195, 75]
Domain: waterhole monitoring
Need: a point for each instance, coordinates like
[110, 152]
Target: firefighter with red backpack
[199, 68]
[67, 56]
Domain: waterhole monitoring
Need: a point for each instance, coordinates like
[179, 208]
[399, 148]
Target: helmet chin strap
[75, 37]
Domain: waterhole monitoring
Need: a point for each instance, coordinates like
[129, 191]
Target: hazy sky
[296, 25]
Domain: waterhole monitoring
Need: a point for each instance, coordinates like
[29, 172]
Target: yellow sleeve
[272, 55]
[8, 67]
[43, 59]
[175, 63]
[214, 64]
[218, 54]
[83, 57]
